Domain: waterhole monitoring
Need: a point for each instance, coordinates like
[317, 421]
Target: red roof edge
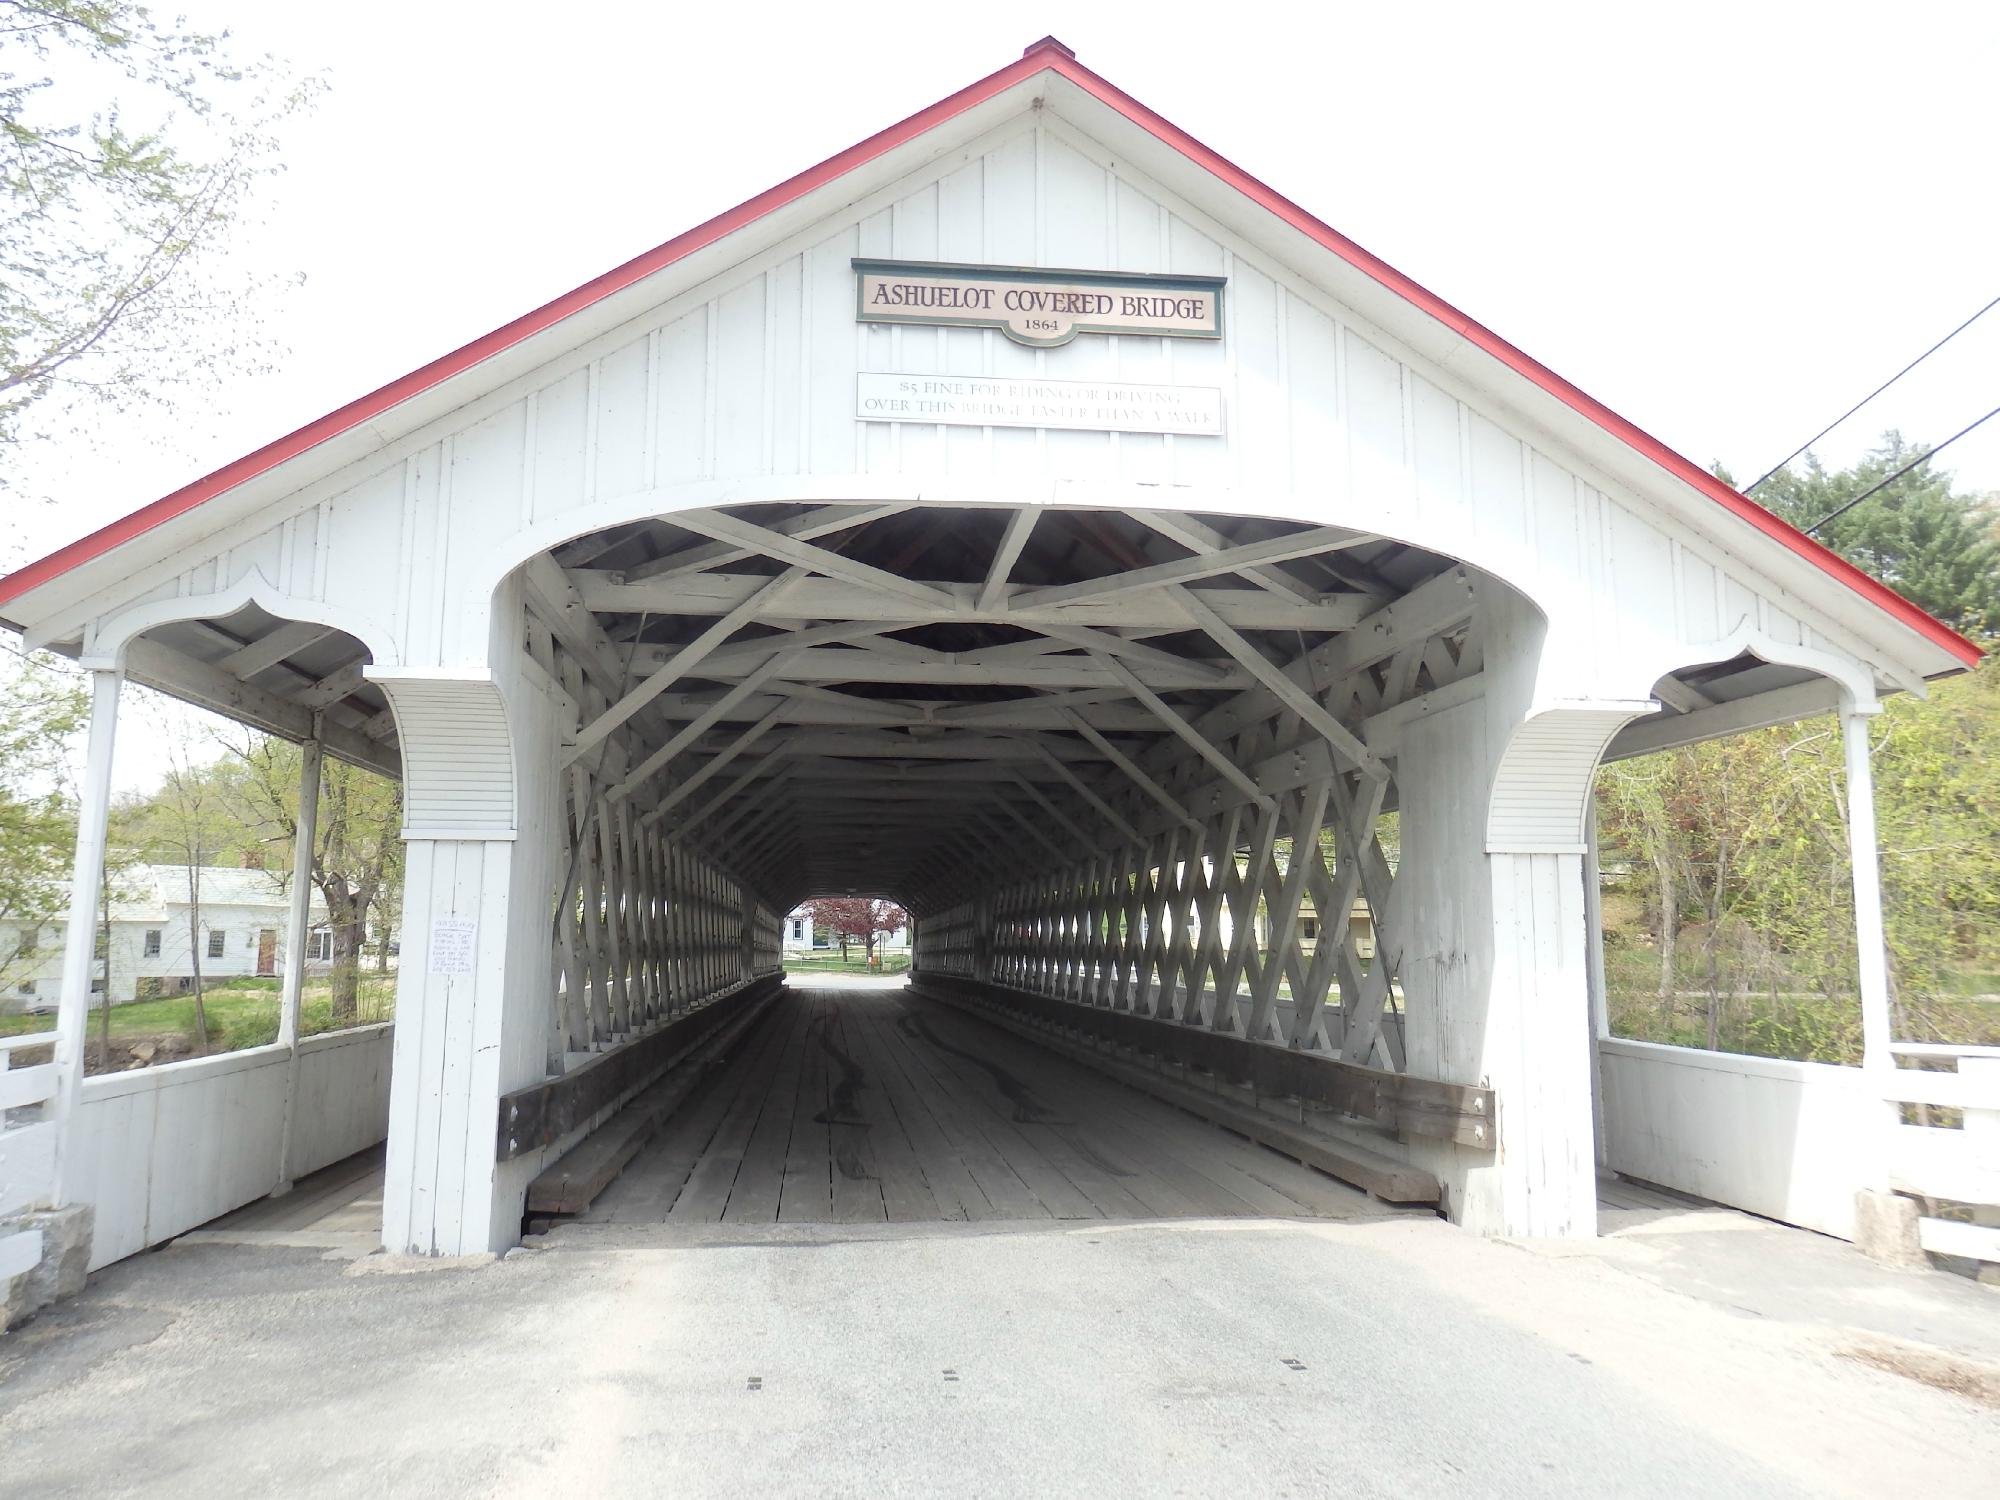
[376, 402]
[1051, 55]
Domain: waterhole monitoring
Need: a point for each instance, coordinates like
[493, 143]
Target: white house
[239, 927]
[801, 936]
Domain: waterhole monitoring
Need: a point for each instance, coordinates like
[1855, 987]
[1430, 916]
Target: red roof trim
[1648, 446]
[376, 402]
[1047, 54]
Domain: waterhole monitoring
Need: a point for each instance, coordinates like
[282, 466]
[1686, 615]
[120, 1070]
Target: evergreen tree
[1935, 546]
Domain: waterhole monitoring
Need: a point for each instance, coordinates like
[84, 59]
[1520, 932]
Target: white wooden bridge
[665, 627]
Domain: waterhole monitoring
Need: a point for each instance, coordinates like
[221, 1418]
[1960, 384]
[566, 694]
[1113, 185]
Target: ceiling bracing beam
[1188, 569]
[696, 727]
[994, 590]
[1125, 763]
[822, 521]
[725, 528]
[1287, 691]
[679, 665]
[1186, 732]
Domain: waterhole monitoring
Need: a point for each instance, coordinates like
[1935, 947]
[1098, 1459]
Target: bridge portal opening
[1132, 774]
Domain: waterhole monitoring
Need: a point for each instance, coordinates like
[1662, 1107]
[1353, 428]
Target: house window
[101, 945]
[1309, 927]
[319, 945]
[31, 939]
[96, 986]
[152, 942]
[216, 941]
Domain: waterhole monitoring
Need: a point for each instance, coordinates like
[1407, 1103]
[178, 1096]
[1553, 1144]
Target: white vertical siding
[753, 375]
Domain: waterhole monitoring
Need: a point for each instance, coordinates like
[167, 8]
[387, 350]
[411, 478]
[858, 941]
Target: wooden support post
[1877, 1027]
[299, 911]
[298, 919]
[79, 938]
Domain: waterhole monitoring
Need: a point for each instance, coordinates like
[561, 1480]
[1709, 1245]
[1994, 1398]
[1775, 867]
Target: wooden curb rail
[1081, 1032]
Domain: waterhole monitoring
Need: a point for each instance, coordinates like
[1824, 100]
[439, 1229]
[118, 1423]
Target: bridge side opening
[1194, 800]
[219, 1033]
[1761, 1042]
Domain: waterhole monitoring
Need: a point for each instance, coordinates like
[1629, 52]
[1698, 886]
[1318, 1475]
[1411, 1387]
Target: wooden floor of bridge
[860, 1105]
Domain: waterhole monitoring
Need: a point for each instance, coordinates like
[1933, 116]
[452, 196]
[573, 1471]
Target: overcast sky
[1726, 221]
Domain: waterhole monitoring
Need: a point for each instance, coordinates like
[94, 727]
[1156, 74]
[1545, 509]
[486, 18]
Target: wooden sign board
[1036, 307]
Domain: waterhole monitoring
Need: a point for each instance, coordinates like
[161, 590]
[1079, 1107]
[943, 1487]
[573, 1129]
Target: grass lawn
[242, 1013]
[830, 963]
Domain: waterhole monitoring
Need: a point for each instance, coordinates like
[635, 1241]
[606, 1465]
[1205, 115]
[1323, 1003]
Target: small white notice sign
[452, 942]
[997, 401]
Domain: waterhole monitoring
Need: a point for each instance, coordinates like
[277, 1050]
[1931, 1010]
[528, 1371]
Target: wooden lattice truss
[1100, 755]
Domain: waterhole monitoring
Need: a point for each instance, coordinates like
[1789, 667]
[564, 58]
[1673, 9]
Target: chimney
[253, 859]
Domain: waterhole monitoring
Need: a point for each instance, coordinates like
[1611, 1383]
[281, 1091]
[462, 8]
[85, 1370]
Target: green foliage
[242, 1013]
[40, 706]
[1938, 548]
[856, 962]
[1729, 918]
[357, 845]
[1745, 839]
[134, 151]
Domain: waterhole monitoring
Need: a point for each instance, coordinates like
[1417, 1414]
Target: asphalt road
[1250, 1358]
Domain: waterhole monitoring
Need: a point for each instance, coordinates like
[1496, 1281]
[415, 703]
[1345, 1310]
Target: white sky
[1728, 221]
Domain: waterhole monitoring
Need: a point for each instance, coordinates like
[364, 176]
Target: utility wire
[1877, 391]
[1924, 458]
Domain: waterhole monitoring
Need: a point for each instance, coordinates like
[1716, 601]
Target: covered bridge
[1031, 517]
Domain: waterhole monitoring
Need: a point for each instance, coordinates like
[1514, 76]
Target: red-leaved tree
[854, 919]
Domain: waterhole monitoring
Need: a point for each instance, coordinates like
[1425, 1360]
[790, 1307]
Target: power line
[1878, 391]
[1924, 458]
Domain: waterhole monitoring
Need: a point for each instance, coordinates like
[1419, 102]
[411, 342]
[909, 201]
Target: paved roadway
[1245, 1357]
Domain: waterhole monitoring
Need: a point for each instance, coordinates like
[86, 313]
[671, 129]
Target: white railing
[27, 1148]
[1792, 1141]
[162, 1150]
[1959, 1164]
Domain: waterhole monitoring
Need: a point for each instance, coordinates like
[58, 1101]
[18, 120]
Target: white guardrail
[27, 1148]
[1959, 1164]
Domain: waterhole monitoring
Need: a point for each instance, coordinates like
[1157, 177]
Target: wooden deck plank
[806, 1195]
[760, 1181]
[998, 1113]
[865, 1105]
[1006, 1195]
[945, 1180]
[314, 1198]
[1171, 1141]
[645, 1193]
[1062, 1121]
[864, 1132]
[1163, 1177]
[712, 1184]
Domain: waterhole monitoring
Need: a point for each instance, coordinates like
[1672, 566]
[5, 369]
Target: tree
[357, 846]
[190, 821]
[1736, 849]
[1939, 548]
[40, 707]
[117, 870]
[1748, 835]
[857, 919]
[135, 151]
